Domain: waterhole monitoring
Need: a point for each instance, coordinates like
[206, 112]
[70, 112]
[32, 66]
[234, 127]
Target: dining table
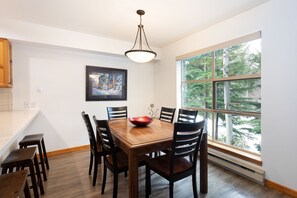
[157, 136]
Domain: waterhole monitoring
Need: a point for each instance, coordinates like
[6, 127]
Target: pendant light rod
[140, 27]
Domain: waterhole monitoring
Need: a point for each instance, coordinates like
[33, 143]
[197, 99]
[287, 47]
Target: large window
[224, 84]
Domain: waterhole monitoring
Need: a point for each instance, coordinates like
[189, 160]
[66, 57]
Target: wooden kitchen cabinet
[5, 63]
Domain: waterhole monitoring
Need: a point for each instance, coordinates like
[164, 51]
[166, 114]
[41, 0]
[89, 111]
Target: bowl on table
[141, 121]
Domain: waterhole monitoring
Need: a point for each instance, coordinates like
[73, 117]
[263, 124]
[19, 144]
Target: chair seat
[161, 164]
[31, 139]
[122, 160]
[12, 184]
[20, 155]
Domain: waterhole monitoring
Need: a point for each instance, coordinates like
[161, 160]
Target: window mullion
[242, 77]
[213, 96]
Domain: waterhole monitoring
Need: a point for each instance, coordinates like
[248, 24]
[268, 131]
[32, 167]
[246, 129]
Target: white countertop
[12, 124]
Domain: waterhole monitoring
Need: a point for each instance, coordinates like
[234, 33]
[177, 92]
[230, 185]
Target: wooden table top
[134, 136]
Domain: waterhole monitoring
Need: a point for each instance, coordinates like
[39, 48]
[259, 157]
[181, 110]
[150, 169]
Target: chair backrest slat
[189, 141]
[117, 112]
[167, 114]
[184, 152]
[185, 115]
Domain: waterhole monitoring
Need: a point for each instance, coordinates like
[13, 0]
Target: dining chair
[186, 115]
[176, 165]
[114, 158]
[117, 112]
[95, 148]
[167, 114]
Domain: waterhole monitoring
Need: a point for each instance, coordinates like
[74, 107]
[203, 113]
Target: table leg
[203, 165]
[133, 174]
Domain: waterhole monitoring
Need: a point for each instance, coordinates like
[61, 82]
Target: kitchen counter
[12, 125]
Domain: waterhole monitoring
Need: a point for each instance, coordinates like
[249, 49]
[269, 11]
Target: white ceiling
[165, 21]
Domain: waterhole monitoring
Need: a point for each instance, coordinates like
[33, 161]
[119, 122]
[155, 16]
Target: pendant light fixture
[143, 53]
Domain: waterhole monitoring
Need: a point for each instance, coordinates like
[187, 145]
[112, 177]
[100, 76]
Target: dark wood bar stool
[37, 140]
[13, 184]
[19, 159]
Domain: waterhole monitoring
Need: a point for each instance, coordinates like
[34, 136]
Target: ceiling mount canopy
[142, 52]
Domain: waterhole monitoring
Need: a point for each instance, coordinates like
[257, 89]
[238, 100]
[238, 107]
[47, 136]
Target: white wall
[60, 73]
[276, 20]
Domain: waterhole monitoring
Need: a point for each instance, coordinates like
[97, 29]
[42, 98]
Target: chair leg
[10, 169]
[115, 184]
[104, 178]
[151, 155]
[34, 183]
[147, 182]
[26, 190]
[4, 170]
[45, 154]
[157, 153]
[194, 183]
[191, 158]
[171, 189]
[91, 163]
[42, 162]
[38, 175]
[95, 170]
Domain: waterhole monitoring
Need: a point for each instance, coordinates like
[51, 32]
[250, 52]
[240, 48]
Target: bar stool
[21, 158]
[13, 184]
[37, 140]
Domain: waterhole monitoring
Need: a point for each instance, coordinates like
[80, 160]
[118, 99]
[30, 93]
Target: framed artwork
[104, 83]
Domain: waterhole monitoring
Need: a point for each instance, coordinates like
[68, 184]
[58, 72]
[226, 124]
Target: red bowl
[141, 121]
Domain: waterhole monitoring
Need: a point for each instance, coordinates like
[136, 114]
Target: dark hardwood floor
[68, 177]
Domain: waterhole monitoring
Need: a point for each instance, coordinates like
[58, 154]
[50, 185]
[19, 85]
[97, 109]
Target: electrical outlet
[26, 105]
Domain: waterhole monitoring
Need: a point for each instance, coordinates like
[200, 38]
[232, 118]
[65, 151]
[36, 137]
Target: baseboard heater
[244, 168]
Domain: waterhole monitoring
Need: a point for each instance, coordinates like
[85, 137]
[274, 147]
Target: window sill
[243, 155]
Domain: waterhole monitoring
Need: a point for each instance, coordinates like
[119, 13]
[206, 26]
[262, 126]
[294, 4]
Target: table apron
[141, 150]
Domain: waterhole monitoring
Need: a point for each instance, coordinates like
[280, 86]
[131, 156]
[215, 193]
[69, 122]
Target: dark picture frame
[103, 83]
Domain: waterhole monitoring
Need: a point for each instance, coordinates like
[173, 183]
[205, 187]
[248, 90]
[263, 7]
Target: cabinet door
[5, 64]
